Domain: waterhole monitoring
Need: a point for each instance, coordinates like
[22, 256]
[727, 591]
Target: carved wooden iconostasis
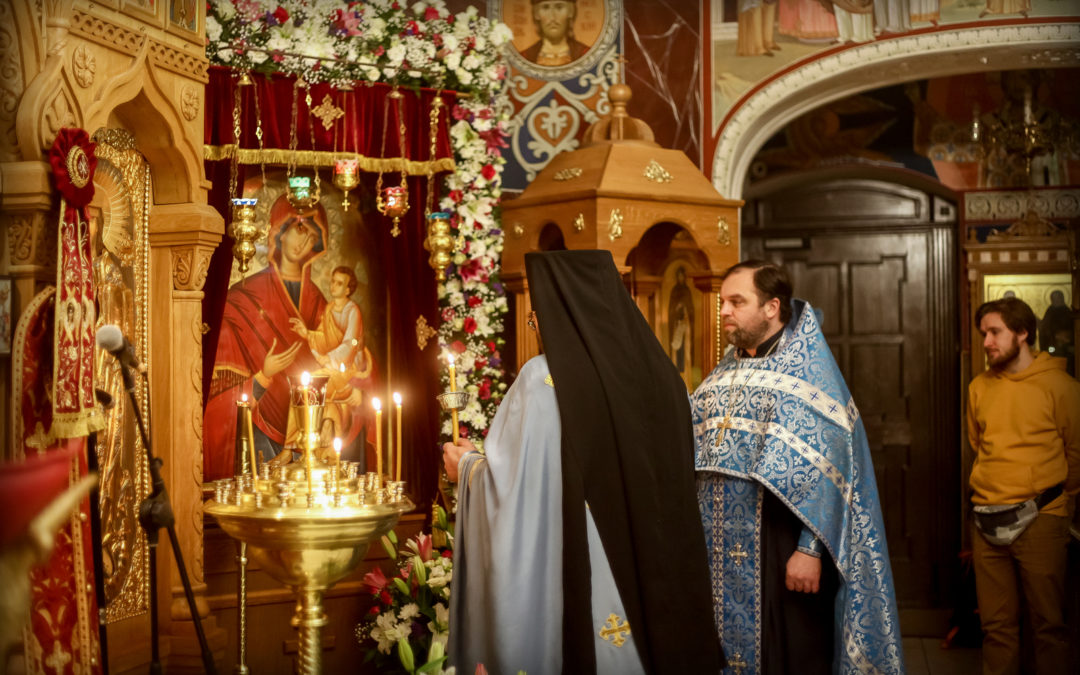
[121, 250]
[1023, 244]
[132, 75]
[670, 233]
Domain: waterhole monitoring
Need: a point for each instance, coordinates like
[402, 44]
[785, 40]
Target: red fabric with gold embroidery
[63, 636]
[75, 411]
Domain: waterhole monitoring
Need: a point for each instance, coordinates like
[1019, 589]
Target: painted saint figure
[554, 21]
[259, 351]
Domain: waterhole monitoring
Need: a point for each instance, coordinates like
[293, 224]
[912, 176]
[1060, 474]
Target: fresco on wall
[563, 58]
[755, 39]
[927, 126]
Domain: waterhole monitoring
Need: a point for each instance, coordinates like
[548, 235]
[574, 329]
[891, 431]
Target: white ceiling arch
[879, 64]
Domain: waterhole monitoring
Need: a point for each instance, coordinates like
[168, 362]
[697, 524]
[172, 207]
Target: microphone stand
[156, 512]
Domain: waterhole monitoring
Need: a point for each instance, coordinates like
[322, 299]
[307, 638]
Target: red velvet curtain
[410, 281]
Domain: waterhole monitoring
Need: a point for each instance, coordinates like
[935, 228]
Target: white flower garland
[421, 44]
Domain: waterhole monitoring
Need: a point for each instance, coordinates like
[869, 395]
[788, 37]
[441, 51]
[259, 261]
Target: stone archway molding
[777, 101]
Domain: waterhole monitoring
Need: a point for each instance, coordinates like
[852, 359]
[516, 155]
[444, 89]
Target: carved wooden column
[183, 236]
[713, 349]
[27, 255]
[527, 346]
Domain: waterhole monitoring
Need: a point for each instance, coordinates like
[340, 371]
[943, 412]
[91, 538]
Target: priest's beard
[1003, 360]
[749, 337]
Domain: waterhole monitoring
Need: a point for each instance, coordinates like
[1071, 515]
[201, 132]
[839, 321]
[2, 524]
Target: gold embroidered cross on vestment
[615, 630]
[733, 396]
[737, 663]
[738, 554]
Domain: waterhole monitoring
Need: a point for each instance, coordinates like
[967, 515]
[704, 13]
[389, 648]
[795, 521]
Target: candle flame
[342, 368]
[450, 359]
[244, 398]
[397, 399]
[305, 378]
[376, 403]
[337, 445]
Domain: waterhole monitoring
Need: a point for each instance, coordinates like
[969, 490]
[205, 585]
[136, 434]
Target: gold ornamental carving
[657, 173]
[567, 174]
[615, 225]
[424, 332]
[57, 115]
[190, 266]
[11, 82]
[518, 230]
[723, 231]
[327, 112]
[579, 222]
[119, 139]
[189, 102]
[1032, 225]
[123, 39]
[84, 65]
[119, 223]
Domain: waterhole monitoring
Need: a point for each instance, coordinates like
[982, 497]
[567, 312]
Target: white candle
[397, 459]
[377, 404]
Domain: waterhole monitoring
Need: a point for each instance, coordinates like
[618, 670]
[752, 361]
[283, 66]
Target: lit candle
[377, 404]
[311, 467]
[337, 463]
[305, 382]
[246, 414]
[397, 459]
[1027, 105]
[453, 388]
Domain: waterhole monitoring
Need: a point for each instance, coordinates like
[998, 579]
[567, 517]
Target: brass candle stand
[308, 523]
[452, 402]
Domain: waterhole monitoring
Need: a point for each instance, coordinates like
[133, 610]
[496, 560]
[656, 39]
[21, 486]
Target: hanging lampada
[393, 202]
[244, 231]
[300, 193]
[346, 177]
[439, 243]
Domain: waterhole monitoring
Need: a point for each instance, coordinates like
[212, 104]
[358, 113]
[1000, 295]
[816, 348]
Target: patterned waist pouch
[1001, 524]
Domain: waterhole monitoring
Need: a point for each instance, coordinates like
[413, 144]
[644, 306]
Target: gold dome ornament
[439, 243]
[244, 232]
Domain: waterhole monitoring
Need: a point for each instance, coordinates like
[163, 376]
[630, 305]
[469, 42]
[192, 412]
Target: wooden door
[870, 256]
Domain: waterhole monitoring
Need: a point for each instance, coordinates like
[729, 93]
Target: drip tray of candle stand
[308, 539]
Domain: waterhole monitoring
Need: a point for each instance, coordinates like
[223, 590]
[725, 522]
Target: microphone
[111, 339]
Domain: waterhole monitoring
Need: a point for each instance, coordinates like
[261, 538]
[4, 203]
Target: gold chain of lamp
[393, 202]
[244, 231]
[439, 243]
[300, 192]
[346, 170]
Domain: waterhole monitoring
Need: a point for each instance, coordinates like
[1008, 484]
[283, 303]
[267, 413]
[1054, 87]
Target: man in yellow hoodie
[1024, 426]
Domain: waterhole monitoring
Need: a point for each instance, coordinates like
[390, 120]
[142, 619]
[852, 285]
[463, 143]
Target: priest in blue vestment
[801, 581]
[578, 545]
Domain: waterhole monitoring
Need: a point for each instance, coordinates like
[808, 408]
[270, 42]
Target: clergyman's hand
[275, 363]
[452, 455]
[803, 573]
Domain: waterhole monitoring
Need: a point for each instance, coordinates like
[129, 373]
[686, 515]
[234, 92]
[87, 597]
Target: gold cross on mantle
[724, 426]
[615, 630]
[738, 553]
[737, 664]
[327, 112]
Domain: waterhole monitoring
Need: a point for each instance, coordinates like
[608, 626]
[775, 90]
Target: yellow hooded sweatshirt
[1025, 430]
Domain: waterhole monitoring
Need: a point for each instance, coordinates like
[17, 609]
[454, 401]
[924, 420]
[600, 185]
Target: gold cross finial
[327, 112]
[615, 630]
[622, 61]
